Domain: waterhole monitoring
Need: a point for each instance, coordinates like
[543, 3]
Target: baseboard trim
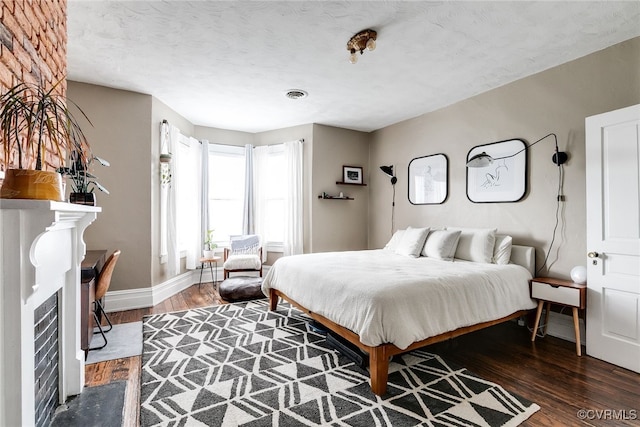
[131, 299]
[561, 326]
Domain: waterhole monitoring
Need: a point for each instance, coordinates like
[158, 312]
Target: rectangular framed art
[352, 175]
[504, 179]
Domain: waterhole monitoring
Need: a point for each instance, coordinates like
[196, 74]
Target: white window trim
[227, 149]
[275, 247]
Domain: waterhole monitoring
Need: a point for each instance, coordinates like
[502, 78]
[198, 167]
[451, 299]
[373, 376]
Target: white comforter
[389, 298]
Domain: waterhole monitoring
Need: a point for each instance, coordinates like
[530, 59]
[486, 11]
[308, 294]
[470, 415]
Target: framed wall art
[504, 179]
[351, 175]
[429, 179]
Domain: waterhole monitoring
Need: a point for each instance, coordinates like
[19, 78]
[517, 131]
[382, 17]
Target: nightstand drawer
[558, 294]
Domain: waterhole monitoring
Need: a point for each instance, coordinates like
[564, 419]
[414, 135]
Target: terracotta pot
[83, 198]
[32, 184]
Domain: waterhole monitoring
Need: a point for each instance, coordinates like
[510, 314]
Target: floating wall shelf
[350, 183]
[329, 197]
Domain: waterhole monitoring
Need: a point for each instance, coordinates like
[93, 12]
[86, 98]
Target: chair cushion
[241, 288]
[242, 262]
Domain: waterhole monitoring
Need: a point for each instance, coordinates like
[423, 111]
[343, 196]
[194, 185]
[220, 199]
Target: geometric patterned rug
[242, 365]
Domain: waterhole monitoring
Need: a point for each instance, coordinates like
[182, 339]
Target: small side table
[211, 261]
[563, 292]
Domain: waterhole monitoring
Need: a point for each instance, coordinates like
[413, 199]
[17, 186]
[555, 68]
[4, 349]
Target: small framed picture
[352, 174]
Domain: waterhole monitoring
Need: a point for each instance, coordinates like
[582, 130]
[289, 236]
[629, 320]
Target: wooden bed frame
[379, 356]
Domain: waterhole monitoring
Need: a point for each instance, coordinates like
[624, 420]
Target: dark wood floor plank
[547, 372]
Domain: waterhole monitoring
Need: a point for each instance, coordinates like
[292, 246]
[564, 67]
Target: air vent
[296, 94]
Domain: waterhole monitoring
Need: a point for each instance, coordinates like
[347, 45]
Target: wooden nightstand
[557, 291]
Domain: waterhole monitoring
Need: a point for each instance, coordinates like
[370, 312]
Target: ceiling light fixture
[365, 39]
[296, 94]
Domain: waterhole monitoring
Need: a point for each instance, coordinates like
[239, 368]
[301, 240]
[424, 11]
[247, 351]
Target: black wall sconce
[388, 170]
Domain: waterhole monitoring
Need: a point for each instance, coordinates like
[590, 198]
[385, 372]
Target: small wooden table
[563, 292]
[210, 261]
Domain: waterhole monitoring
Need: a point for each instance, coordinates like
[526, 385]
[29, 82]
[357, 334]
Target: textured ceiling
[228, 64]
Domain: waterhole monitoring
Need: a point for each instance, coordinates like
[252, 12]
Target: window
[226, 190]
[273, 197]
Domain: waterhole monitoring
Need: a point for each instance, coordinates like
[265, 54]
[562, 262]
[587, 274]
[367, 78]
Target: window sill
[275, 247]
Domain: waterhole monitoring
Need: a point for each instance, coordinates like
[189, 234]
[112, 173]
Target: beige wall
[223, 136]
[338, 225]
[121, 133]
[556, 100]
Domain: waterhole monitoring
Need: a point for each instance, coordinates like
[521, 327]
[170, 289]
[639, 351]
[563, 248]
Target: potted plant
[83, 182]
[36, 126]
[209, 245]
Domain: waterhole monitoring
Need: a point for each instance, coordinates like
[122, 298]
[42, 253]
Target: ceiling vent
[296, 94]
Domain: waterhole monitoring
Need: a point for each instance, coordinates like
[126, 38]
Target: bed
[387, 304]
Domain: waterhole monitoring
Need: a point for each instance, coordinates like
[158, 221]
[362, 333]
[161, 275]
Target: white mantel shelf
[41, 248]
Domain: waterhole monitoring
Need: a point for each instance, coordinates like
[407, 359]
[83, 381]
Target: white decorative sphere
[579, 274]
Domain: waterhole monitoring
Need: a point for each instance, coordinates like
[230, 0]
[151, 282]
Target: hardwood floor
[547, 372]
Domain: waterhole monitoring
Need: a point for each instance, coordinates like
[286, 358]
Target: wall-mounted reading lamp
[559, 158]
[483, 159]
[388, 170]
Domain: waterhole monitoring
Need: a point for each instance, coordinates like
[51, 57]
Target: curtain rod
[233, 145]
[242, 146]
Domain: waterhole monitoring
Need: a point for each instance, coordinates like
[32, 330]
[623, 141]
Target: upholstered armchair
[243, 255]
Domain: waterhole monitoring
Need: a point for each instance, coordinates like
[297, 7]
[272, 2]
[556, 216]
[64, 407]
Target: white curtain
[204, 191]
[260, 169]
[165, 182]
[248, 215]
[293, 225]
[181, 180]
[193, 241]
[173, 252]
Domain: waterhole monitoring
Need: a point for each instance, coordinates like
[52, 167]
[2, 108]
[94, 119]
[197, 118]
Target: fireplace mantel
[41, 248]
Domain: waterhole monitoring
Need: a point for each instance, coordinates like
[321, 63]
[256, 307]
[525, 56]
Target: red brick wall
[33, 43]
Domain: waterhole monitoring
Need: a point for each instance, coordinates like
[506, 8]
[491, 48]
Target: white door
[613, 236]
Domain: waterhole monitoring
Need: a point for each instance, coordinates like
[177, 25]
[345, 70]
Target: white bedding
[390, 298]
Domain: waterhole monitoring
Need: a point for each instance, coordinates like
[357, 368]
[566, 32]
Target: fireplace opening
[47, 376]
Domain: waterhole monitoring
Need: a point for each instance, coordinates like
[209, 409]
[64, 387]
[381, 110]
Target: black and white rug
[241, 365]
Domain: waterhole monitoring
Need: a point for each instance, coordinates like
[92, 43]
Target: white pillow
[242, 262]
[412, 241]
[441, 244]
[395, 239]
[476, 244]
[502, 249]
